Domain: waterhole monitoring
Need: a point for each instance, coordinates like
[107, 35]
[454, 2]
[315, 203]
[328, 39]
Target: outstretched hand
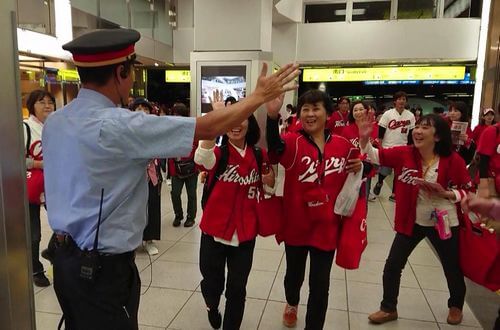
[365, 127]
[273, 107]
[270, 87]
[217, 100]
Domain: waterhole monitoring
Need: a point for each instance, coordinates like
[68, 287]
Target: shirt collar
[86, 93]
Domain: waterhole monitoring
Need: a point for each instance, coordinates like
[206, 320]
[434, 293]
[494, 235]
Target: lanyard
[429, 165]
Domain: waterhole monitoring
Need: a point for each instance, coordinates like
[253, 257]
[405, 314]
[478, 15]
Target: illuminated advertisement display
[177, 76]
[385, 73]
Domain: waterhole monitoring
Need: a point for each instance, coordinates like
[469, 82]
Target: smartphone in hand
[353, 154]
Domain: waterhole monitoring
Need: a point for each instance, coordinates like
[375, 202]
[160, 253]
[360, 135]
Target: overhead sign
[385, 73]
[177, 76]
[67, 75]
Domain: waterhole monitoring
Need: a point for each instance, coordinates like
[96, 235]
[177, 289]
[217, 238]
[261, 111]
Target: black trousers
[213, 259]
[111, 302]
[153, 228]
[36, 236]
[191, 183]
[319, 281]
[401, 248]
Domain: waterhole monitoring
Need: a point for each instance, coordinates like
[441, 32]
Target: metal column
[16, 288]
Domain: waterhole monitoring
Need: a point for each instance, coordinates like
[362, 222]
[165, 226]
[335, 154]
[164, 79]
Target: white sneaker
[372, 197]
[151, 248]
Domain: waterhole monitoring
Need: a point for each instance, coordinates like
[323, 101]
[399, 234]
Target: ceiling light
[342, 12]
[156, 64]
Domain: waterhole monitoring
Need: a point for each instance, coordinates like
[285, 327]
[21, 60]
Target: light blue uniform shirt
[91, 144]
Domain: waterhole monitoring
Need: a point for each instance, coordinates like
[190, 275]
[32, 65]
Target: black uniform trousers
[402, 247]
[319, 281]
[152, 231]
[213, 258]
[36, 236]
[110, 302]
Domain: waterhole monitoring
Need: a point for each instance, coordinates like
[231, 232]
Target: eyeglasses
[45, 102]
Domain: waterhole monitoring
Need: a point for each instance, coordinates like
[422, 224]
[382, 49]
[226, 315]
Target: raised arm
[268, 88]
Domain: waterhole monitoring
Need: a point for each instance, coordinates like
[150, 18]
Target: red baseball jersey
[351, 133]
[337, 122]
[407, 164]
[232, 203]
[489, 145]
[305, 165]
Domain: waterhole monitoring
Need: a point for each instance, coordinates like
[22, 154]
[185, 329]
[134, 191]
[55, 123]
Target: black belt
[68, 242]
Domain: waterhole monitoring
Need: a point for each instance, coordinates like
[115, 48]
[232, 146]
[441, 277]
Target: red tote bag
[479, 254]
[35, 185]
[269, 215]
[353, 237]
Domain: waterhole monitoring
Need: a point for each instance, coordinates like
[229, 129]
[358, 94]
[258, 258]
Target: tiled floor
[174, 301]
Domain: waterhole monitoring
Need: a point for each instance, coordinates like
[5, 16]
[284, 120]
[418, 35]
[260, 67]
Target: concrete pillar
[16, 288]
[232, 25]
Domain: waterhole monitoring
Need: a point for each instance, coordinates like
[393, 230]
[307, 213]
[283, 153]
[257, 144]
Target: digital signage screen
[231, 80]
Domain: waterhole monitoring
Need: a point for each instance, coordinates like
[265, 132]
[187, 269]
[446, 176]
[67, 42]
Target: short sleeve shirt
[397, 127]
[91, 145]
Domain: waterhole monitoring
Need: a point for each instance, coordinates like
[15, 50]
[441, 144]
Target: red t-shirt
[489, 145]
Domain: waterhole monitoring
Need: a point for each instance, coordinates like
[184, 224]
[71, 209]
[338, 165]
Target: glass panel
[143, 17]
[462, 8]
[333, 12]
[115, 11]
[87, 6]
[371, 10]
[84, 22]
[36, 15]
[162, 29]
[411, 9]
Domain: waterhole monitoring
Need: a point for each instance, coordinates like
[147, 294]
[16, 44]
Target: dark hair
[444, 146]
[253, 132]
[231, 100]
[102, 74]
[35, 96]
[350, 117]
[482, 121]
[292, 108]
[344, 98]
[399, 94]
[463, 108]
[141, 101]
[180, 109]
[314, 96]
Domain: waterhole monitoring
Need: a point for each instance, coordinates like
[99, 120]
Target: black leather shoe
[189, 223]
[177, 222]
[41, 280]
[214, 318]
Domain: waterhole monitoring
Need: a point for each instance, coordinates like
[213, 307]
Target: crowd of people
[108, 202]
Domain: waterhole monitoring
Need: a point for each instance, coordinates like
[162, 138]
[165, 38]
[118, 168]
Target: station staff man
[92, 144]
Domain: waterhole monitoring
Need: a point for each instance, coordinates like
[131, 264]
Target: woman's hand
[269, 178]
[273, 107]
[353, 165]
[217, 100]
[435, 189]
[463, 137]
[365, 127]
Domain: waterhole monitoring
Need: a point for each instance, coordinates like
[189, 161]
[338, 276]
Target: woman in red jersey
[487, 119]
[359, 110]
[229, 223]
[314, 160]
[431, 179]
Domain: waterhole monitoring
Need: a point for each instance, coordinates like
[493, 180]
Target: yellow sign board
[385, 73]
[177, 76]
[67, 75]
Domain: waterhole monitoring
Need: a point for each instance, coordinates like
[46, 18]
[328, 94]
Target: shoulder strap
[28, 140]
[258, 157]
[210, 182]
